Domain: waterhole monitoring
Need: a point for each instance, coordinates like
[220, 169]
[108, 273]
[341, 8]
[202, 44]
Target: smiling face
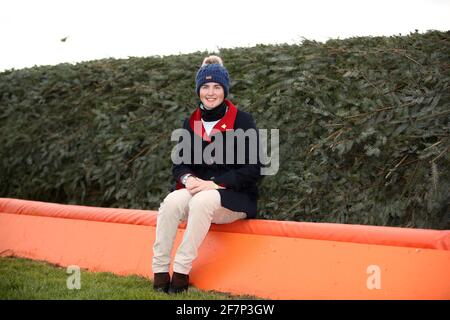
[211, 95]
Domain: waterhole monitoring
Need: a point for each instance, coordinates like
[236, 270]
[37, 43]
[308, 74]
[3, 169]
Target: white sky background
[31, 30]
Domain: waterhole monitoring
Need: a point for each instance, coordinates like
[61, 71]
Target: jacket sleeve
[247, 173]
[179, 170]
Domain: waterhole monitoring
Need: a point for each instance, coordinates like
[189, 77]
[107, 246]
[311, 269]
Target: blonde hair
[212, 60]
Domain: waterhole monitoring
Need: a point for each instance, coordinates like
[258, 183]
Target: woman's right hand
[195, 185]
[191, 183]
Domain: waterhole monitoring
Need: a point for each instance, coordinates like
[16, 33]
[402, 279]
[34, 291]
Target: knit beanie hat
[212, 70]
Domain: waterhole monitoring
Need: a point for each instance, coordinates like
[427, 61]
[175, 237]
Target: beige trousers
[200, 211]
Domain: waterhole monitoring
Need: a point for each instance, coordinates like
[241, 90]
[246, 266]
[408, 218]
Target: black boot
[161, 282]
[180, 283]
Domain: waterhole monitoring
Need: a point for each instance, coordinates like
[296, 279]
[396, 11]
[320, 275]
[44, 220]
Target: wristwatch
[185, 177]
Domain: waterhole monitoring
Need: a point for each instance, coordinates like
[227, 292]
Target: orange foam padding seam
[392, 236]
[266, 266]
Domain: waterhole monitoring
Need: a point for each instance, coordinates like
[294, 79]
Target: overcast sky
[31, 30]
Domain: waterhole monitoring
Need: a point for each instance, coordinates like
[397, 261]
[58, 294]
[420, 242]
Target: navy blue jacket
[240, 180]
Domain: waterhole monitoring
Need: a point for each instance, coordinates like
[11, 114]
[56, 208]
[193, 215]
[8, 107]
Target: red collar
[226, 123]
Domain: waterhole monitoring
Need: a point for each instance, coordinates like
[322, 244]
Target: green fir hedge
[364, 128]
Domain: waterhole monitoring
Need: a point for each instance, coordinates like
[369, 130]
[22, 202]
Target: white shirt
[209, 125]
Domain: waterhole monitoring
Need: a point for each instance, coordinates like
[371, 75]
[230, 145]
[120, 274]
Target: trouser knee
[175, 203]
[204, 201]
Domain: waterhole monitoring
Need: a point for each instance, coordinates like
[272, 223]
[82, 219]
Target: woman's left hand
[201, 185]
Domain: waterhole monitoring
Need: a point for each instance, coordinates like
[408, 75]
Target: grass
[28, 280]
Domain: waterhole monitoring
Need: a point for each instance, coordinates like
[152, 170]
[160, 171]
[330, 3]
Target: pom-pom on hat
[212, 70]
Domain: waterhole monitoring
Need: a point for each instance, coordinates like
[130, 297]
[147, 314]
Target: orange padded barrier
[269, 259]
